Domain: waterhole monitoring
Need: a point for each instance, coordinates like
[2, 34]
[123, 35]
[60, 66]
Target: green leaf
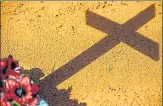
[109, 68]
[14, 103]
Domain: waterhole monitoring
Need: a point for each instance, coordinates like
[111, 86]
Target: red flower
[35, 89]
[20, 90]
[13, 67]
[9, 67]
[3, 101]
[3, 67]
[33, 101]
[1, 85]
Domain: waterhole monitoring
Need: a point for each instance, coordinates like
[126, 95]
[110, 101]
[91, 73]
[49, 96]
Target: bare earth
[47, 35]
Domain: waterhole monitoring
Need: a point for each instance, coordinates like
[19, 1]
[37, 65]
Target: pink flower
[13, 67]
[3, 67]
[3, 100]
[20, 90]
[9, 67]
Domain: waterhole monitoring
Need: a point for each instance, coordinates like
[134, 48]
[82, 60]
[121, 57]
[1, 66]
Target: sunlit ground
[47, 35]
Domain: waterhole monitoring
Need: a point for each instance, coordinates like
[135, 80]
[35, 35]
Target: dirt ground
[47, 35]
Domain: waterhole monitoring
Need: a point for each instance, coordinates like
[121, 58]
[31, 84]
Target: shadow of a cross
[127, 32]
[119, 33]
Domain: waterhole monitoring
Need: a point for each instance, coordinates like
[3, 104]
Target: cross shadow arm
[143, 44]
[140, 19]
[99, 22]
[79, 62]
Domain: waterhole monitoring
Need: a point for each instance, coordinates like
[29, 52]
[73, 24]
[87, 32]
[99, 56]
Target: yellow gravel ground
[47, 35]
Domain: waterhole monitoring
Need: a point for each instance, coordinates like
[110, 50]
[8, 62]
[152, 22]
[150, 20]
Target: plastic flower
[2, 83]
[17, 89]
[13, 67]
[35, 89]
[3, 67]
[20, 90]
[4, 101]
[9, 67]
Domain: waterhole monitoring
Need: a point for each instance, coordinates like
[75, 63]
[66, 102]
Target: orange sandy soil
[47, 35]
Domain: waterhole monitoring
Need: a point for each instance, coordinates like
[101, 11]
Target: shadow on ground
[125, 33]
[50, 93]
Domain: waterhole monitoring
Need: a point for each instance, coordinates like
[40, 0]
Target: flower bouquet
[17, 89]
